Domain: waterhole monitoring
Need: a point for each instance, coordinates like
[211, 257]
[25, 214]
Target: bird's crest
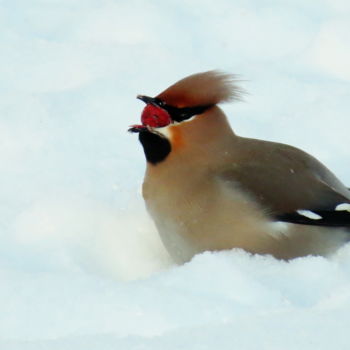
[202, 89]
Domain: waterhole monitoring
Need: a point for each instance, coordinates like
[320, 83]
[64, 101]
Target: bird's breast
[198, 213]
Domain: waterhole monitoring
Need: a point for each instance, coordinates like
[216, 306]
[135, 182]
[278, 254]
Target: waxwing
[207, 188]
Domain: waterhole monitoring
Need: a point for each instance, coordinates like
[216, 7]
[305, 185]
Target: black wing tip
[331, 218]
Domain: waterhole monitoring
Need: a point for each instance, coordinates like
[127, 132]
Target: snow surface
[81, 265]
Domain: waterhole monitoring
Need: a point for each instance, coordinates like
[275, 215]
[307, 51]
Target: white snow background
[81, 266]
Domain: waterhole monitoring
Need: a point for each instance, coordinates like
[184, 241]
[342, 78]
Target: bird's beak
[147, 99]
[137, 128]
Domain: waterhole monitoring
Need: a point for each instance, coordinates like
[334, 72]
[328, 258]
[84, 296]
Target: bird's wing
[290, 185]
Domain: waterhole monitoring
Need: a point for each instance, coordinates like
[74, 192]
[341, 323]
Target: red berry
[155, 116]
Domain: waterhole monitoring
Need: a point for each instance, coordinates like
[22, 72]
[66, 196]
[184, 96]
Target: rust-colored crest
[207, 88]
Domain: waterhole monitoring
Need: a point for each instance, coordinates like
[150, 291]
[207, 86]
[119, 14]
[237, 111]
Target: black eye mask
[177, 114]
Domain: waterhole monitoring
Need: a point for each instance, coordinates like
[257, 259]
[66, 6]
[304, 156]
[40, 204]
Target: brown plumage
[209, 189]
[208, 88]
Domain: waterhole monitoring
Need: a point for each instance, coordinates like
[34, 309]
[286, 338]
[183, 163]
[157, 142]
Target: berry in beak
[155, 116]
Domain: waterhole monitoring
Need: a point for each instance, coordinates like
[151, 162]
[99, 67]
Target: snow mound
[218, 300]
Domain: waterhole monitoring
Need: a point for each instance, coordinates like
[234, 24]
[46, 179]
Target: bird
[208, 189]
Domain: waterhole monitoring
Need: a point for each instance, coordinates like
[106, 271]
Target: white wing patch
[343, 207]
[309, 214]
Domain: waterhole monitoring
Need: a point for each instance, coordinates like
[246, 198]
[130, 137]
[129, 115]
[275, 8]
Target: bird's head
[187, 98]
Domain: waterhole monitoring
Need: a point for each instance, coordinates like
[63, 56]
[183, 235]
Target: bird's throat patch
[156, 146]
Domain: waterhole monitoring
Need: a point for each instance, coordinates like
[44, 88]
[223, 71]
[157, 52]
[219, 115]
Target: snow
[81, 264]
[219, 300]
